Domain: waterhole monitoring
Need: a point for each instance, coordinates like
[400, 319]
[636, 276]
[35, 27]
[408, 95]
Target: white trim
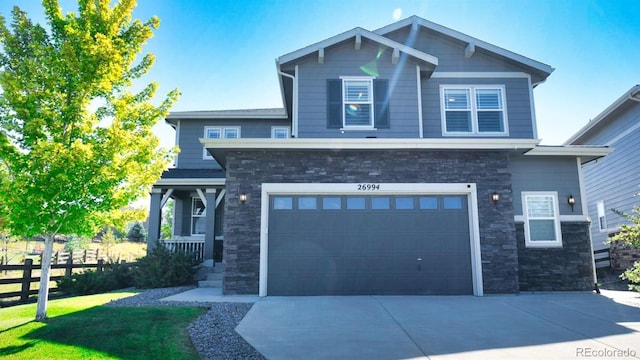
[556, 220]
[192, 216]
[222, 129]
[570, 150]
[583, 191]
[354, 33]
[474, 110]
[469, 50]
[599, 206]
[274, 113]
[220, 197]
[479, 75]
[294, 106]
[623, 134]
[419, 87]
[202, 197]
[190, 182]
[177, 141]
[534, 120]
[413, 20]
[469, 189]
[321, 56]
[165, 198]
[370, 102]
[562, 218]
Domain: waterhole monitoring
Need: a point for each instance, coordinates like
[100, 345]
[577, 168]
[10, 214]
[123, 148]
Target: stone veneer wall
[623, 256]
[490, 170]
[569, 268]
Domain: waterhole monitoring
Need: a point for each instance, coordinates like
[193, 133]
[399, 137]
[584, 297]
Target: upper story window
[602, 217]
[357, 103]
[280, 132]
[473, 110]
[212, 132]
[541, 219]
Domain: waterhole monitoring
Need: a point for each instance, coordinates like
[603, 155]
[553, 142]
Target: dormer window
[473, 110]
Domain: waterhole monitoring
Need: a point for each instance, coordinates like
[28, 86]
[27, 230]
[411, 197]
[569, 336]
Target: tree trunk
[43, 290]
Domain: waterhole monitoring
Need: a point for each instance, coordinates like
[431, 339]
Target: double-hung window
[357, 102]
[541, 219]
[280, 132]
[602, 217]
[211, 132]
[198, 214]
[473, 110]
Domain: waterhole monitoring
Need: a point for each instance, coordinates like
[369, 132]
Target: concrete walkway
[531, 326]
[206, 295]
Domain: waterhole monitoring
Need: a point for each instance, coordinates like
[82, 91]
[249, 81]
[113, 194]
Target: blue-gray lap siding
[192, 130]
[614, 179]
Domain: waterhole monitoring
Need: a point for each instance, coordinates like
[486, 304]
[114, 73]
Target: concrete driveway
[531, 326]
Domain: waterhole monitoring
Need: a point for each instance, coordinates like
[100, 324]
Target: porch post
[209, 230]
[155, 215]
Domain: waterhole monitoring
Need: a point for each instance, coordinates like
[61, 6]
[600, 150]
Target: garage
[368, 244]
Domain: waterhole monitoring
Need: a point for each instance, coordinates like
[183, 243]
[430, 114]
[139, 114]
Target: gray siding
[546, 173]
[191, 131]
[518, 104]
[450, 53]
[614, 179]
[344, 60]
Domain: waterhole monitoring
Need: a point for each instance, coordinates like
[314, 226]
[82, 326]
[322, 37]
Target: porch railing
[194, 247]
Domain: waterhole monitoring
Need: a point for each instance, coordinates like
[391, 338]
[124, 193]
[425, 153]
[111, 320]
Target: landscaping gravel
[213, 333]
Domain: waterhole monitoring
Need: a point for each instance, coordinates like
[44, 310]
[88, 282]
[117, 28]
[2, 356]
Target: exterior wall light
[244, 197]
[571, 201]
[495, 197]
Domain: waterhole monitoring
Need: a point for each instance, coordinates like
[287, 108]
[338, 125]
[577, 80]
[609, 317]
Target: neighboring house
[405, 161]
[612, 182]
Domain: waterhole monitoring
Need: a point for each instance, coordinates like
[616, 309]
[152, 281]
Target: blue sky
[220, 54]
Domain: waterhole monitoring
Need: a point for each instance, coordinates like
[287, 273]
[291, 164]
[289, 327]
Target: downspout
[294, 106]
[420, 121]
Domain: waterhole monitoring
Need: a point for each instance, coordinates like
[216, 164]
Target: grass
[81, 328]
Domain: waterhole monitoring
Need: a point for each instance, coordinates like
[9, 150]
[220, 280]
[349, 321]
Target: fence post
[97, 254]
[100, 265]
[68, 270]
[26, 280]
[84, 257]
[56, 257]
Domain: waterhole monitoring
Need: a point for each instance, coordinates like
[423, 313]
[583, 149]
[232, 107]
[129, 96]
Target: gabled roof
[632, 95]
[418, 21]
[358, 33]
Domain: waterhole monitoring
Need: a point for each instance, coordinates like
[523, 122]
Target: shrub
[113, 277]
[137, 233]
[164, 268]
[633, 275]
[75, 242]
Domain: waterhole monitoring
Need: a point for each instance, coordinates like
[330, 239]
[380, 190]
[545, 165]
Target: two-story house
[405, 161]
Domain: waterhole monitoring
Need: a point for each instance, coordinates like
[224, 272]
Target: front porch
[198, 204]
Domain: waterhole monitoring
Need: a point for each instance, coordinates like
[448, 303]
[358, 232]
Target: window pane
[282, 203]
[490, 121]
[357, 90]
[230, 133]
[198, 208]
[488, 99]
[355, 203]
[404, 203]
[331, 203]
[380, 203]
[540, 206]
[429, 202]
[456, 99]
[357, 114]
[459, 121]
[213, 133]
[542, 230]
[198, 226]
[280, 133]
[307, 203]
[452, 202]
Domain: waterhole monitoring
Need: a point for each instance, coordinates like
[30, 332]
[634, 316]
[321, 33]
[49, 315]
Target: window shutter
[381, 103]
[334, 103]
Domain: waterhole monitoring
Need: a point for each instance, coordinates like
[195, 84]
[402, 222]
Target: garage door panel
[370, 251]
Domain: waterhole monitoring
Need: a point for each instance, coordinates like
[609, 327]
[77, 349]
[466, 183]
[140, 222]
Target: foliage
[76, 242]
[114, 276]
[164, 268]
[137, 232]
[83, 328]
[76, 145]
[630, 235]
[108, 241]
[166, 228]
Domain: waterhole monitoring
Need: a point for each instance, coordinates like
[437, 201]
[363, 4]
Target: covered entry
[369, 241]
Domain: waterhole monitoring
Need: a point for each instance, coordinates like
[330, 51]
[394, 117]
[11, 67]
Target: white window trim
[277, 128]
[205, 153]
[193, 200]
[599, 206]
[556, 219]
[371, 102]
[474, 111]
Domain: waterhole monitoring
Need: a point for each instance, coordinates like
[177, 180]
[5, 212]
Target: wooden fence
[27, 275]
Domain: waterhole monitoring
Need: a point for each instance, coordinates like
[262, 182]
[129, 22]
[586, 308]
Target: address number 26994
[368, 187]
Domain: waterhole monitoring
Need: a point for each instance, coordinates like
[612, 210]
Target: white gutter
[294, 105]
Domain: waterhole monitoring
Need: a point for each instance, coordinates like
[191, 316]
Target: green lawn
[80, 328]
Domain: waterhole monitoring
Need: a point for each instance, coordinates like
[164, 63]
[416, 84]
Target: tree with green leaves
[75, 141]
[630, 235]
